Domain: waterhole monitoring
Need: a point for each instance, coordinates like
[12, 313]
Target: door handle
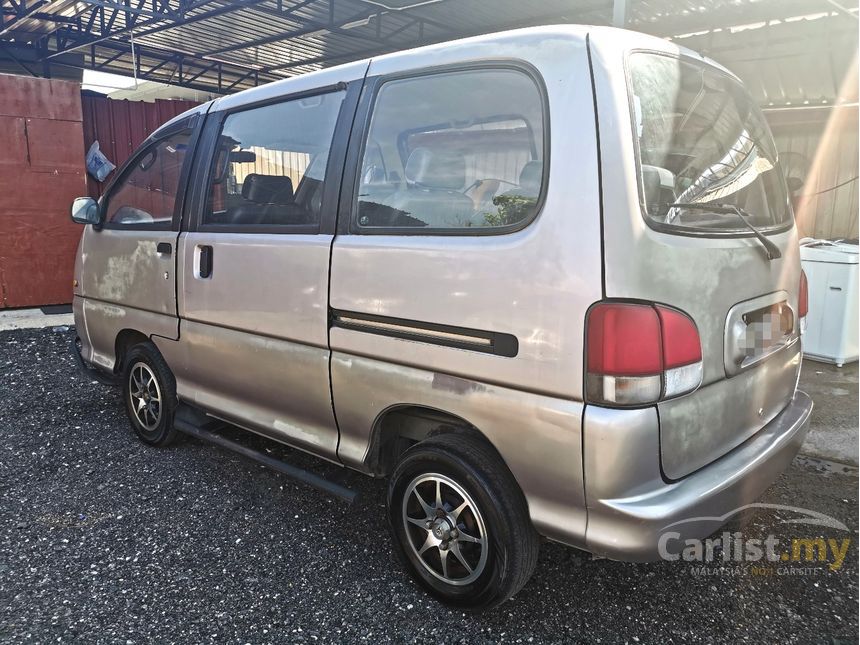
[204, 266]
[164, 248]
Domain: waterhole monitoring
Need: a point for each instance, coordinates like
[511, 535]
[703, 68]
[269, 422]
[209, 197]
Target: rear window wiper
[772, 249]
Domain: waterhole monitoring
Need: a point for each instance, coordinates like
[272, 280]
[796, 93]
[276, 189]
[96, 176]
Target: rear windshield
[702, 140]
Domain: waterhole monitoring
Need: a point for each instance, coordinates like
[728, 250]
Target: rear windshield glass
[702, 140]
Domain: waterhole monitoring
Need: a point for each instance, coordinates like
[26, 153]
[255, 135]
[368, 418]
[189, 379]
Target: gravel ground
[105, 540]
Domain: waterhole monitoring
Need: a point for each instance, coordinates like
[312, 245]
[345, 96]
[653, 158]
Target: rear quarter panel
[702, 277]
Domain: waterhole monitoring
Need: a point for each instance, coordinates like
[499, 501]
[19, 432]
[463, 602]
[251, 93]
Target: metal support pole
[134, 60]
[619, 13]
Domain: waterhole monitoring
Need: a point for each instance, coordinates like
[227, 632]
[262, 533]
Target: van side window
[146, 194]
[270, 164]
[457, 150]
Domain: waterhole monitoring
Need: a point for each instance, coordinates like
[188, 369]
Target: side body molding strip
[477, 340]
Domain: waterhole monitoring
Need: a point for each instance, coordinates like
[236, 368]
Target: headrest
[658, 186]
[268, 189]
[436, 169]
[661, 176]
[651, 184]
[530, 177]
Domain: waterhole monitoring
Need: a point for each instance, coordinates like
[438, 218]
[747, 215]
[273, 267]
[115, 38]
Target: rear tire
[460, 522]
[149, 394]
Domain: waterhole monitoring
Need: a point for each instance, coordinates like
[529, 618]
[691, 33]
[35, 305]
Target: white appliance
[831, 324]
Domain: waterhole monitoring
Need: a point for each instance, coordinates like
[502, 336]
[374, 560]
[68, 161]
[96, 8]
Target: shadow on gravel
[105, 540]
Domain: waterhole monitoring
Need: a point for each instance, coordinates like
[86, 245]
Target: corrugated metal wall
[41, 171]
[46, 127]
[820, 146]
[271, 162]
[121, 126]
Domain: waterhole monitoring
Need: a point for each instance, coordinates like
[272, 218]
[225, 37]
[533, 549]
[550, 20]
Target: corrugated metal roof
[224, 46]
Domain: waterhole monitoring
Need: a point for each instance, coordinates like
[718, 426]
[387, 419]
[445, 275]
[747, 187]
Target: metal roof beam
[11, 54]
[237, 81]
[844, 10]
[801, 39]
[52, 17]
[161, 64]
[729, 15]
[412, 23]
[331, 27]
[184, 60]
[127, 8]
[68, 38]
[309, 28]
[22, 12]
[202, 71]
[147, 75]
[150, 26]
[384, 46]
[107, 61]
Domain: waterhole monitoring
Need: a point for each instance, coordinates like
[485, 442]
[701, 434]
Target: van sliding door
[253, 291]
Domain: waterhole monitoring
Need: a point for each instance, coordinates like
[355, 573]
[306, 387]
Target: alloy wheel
[145, 394]
[445, 529]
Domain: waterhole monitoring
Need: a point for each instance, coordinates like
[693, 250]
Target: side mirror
[85, 210]
[794, 184]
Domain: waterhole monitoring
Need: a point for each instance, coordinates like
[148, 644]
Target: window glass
[460, 150]
[270, 163]
[147, 193]
[702, 140]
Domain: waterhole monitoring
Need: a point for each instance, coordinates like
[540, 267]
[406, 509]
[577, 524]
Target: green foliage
[510, 210]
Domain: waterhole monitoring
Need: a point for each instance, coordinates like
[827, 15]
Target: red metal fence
[46, 127]
[41, 171]
[121, 126]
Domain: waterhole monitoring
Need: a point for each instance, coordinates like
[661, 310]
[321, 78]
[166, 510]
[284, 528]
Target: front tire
[460, 522]
[149, 393]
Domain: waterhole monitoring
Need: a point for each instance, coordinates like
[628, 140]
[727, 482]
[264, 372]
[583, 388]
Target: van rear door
[696, 137]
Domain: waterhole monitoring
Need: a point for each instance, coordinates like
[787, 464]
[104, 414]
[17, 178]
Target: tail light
[637, 354]
[803, 301]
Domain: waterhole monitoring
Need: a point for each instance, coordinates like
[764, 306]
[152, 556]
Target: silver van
[546, 281]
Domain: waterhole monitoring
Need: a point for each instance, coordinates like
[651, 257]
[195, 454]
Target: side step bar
[293, 472]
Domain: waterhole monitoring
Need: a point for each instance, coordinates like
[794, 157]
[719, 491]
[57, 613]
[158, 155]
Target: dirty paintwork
[257, 346]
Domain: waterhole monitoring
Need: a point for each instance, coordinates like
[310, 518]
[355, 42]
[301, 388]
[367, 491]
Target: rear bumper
[630, 504]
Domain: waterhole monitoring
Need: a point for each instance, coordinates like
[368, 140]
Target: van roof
[609, 37]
